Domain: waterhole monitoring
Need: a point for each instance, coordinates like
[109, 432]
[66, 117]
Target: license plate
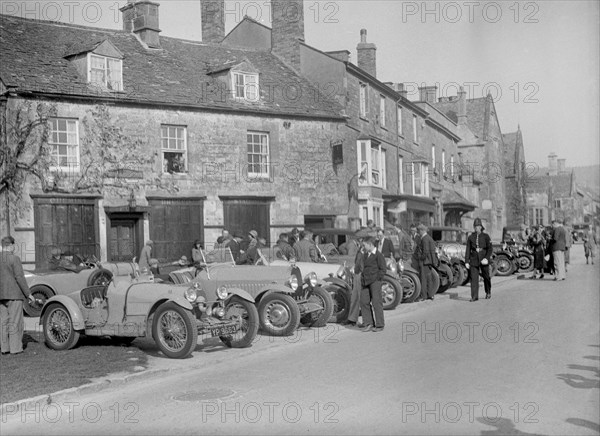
[224, 330]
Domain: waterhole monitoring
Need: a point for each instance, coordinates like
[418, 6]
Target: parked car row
[219, 298]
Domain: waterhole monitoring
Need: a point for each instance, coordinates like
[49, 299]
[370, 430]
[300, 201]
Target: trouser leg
[474, 282]
[377, 302]
[16, 325]
[4, 324]
[355, 298]
[423, 270]
[365, 306]
[487, 282]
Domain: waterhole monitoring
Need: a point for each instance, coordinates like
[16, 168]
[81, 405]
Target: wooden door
[174, 226]
[67, 223]
[123, 240]
[242, 215]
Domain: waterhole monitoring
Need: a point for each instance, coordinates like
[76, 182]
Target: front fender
[240, 293]
[336, 281]
[505, 253]
[276, 288]
[72, 308]
[410, 269]
[392, 276]
[180, 301]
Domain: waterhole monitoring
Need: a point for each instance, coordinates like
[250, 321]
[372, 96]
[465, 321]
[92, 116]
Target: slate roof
[561, 185]
[476, 113]
[33, 51]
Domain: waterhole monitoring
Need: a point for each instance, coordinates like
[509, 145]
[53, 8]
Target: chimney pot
[363, 35]
[428, 93]
[552, 164]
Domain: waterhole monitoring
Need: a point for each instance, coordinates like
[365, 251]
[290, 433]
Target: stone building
[515, 176]
[481, 158]
[237, 137]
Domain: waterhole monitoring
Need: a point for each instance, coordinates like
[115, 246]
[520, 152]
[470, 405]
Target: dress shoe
[555, 279]
[4, 353]
[377, 329]
[488, 296]
[367, 328]
[347, 322]
[542, 276]
[360, 325]
[474, 299]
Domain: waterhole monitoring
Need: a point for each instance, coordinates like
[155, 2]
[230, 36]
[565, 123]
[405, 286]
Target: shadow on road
[503, 426]
[585, 424]
[579, 381]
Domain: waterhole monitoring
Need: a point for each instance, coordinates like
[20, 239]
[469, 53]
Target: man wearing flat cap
[478, 256]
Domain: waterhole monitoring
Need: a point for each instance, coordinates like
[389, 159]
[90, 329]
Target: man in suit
[13, 290]
[374, 269]
[559, 246]
[306, 250]
[428, 260]
[384, 245]
[478, 256]
[415, 240]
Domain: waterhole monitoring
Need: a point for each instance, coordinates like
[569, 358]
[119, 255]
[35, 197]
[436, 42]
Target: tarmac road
[525, 362]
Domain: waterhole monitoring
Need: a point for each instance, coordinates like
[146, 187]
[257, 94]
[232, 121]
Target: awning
[455, 200]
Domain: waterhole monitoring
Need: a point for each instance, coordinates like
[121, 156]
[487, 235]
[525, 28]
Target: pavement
[159, 366]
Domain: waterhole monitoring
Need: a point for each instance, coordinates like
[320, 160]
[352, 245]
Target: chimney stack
[367, 54]
[562, 168]
[552, 164]
[141, 17]
[213, 20]
[462, 107]
[287, 30]
[428, 94]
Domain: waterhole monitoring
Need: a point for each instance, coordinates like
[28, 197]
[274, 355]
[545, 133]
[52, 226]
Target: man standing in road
[13, 290]
[428, 260]
[415, 240]
[478, 256]
[558, 250]
[374, 269]
[384, 245]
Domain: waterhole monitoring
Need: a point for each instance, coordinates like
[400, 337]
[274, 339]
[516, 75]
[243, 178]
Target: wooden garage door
[67, 223]
[174, 225]
[243, 215]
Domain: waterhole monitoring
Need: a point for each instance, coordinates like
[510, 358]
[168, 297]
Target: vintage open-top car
[284, 297]
[172, 314]
[45, 284]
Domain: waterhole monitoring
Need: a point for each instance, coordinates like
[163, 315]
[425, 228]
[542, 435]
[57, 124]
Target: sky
[538, 59]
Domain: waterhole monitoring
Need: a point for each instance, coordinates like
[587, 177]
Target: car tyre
[174, 330]
[59, 332]
[279, 314]
[41, 293]
[391, 293]
[238, 307]
[411, 286]
[525, 262]
[341, 303]
[320, 318]
[504, 265]
[101, 277]
[458, 274]
[446, 277]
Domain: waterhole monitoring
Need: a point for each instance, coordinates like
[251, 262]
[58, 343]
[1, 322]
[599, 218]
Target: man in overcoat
[558, 250]
[13, 290]
[428, 260]
[374, 269]
[478, 256]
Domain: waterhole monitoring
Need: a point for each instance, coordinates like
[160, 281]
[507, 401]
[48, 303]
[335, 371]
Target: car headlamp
[401, 265]
[311, 279]
[293, 282]
[341, 273]
[191, 294]
[222, 292]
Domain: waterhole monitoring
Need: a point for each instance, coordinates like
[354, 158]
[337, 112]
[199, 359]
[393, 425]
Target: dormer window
[245, 86]
[105, 72]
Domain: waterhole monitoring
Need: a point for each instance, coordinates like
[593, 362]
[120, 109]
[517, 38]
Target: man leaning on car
[13, 290]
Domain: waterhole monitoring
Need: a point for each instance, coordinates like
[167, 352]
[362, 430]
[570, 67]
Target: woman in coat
[538, 243]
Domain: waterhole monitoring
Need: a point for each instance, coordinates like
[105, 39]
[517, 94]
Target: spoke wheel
[319, 318]
[59, 333]
[391, 293]
[504, 265]
[102, 277]
[175, 331]
[411, 286]
[341, 303]
[41, 294]
[245, 313]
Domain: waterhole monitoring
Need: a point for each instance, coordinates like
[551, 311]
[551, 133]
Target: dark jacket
[387, 249]
[374, 268]
[306, 251]
[559, 239]
[286, 250]
[416, 252]
[13, 285]
[427, 254]
[472, 256]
